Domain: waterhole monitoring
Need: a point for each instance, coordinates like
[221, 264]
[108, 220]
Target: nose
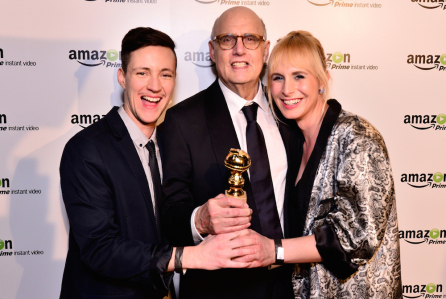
[288, 87]
[154, 84]
[239, 48]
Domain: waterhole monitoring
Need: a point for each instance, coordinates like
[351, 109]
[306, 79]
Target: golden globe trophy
[238, 162]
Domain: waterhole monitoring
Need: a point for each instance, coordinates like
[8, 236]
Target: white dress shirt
[140, 140]
[273, 140]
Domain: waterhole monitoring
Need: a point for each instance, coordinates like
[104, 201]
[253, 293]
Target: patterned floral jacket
[346, 198]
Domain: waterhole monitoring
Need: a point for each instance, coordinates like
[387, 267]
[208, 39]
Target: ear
[121, 77]
[328, 75]
[211, 51]
[266, 53]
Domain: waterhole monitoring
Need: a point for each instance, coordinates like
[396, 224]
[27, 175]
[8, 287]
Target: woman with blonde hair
[342, 216]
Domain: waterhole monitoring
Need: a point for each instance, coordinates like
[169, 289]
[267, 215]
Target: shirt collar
[236, 103]
[136, 134]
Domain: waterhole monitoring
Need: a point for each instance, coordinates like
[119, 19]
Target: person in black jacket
[111, 186]
[199, 132]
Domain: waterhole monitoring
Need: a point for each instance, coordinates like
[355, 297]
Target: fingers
[222, 214]
[230, 229]
[236, 264]
[234, 235]
[227, 202]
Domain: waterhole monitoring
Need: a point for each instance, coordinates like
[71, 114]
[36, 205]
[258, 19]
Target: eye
[277, 77]
[227, 39]
[251, 38]
[167, 75]
[141, 73]
[299, 77]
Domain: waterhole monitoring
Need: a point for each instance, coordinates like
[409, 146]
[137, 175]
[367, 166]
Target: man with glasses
[231, 113]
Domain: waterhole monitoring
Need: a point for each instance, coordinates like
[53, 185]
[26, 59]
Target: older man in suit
[231, 113]
[111, 185]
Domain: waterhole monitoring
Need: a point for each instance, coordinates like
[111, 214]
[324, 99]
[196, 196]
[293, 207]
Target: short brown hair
[141, 37]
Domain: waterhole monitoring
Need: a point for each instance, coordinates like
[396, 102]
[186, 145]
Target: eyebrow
[148, 69]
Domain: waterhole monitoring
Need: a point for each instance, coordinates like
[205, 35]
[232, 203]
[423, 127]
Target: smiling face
[296, 73]
[148, 82]
[295, 91]
[239, 67]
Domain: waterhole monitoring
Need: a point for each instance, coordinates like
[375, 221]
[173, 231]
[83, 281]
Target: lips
[291, 102]
[150, 99]
[239, 64]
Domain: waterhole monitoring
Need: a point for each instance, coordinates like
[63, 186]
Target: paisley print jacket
[351, 210]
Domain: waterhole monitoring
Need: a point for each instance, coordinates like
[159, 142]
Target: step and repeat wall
[58, 66]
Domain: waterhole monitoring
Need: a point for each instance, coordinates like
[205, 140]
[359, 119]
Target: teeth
[239, 64]
[151, 100]
[291, 102]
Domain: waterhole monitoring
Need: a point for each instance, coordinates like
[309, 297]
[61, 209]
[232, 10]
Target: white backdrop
[387, 66]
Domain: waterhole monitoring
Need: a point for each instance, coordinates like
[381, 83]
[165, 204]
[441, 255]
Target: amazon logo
[92, 58]
[425, 122]
[416, 237]
[428, 62]
[200, 59]
[424, 180]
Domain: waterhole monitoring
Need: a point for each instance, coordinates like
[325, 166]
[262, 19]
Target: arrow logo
[419, 128]
[331, 2]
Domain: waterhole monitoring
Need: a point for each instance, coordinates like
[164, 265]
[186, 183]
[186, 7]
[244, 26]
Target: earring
[321, 91]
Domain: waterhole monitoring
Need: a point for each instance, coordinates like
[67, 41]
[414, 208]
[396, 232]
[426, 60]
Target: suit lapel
[127, 147]
[221, 128]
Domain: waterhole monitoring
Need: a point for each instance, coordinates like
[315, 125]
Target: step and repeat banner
[58, 66]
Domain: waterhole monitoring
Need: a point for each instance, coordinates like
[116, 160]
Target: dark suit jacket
[198, 135]
[113, 243]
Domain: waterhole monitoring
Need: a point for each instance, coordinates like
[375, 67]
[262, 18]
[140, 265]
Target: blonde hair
[300, 49]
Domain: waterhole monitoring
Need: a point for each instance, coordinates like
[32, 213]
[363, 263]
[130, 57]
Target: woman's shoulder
[350, 125]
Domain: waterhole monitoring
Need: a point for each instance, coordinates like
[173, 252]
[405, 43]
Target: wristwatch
[280, 252]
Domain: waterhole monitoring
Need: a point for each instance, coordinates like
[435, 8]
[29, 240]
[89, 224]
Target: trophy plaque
[237, 161]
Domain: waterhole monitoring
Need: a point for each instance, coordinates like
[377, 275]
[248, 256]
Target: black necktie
[156, 179]
[260, 176]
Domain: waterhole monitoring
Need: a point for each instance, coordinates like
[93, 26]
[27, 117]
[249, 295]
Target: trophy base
[242, 197]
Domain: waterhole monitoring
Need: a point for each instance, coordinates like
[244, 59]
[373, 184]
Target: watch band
[179, 260]
[280, 253]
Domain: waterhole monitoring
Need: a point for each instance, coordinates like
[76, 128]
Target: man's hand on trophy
[221, 215]
[219, 251]
[264, 251]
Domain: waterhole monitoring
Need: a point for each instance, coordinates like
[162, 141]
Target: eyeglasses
[228, 41]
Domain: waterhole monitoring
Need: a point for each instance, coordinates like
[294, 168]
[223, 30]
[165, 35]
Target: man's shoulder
[94, 130]
[196, 102]
[95, 133]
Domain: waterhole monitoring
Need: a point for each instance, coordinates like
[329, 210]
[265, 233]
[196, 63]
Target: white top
[140, 140]
[273, 140]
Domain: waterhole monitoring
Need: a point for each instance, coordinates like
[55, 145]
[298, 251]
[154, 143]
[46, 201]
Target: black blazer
[113, 249]
[198, 134]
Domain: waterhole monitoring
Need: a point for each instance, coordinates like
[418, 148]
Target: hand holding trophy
[237, 161]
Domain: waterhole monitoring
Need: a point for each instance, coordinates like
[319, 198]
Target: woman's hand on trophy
[221, 251]
[222, 214]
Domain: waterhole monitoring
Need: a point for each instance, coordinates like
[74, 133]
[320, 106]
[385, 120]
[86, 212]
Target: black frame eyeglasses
[228, 41]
